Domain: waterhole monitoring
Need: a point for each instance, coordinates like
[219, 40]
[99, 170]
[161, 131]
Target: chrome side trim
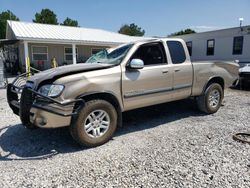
[154, 91]
[184, 86]
[146, 92]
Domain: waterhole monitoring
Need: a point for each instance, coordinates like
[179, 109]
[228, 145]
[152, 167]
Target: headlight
[51, 90]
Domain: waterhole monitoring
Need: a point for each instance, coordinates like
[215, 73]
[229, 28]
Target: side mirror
[136, 64]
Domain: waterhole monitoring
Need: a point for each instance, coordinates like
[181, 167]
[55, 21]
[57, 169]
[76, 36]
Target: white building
[225, 44]
[68, 45]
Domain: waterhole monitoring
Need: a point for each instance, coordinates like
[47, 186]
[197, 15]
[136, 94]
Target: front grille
[20, 81]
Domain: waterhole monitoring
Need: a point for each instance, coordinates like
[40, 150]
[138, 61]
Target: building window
[189, 46]
[238, 45]
[96, 50]
[39, 53]
[210, 47]
[177, 52]
[68, 54]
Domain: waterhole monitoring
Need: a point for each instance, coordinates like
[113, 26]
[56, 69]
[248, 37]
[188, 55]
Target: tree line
[47, 16]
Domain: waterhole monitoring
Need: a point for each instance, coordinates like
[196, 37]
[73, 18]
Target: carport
[8, 59]
[9, 55]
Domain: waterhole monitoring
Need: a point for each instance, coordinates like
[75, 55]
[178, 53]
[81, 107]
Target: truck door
[151, 84]
[182, 70]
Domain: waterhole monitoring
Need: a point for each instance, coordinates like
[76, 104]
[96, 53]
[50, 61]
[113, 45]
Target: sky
[156, 17]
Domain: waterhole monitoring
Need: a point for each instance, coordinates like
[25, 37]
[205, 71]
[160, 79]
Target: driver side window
[151, 54]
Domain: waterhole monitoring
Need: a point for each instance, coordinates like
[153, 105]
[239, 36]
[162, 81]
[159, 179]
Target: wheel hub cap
[97, 123]
[214, 98]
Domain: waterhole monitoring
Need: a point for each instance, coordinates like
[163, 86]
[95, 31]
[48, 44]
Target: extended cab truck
[90, 97]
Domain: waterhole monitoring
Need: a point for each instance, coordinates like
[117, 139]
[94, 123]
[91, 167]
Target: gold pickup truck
[91, 97]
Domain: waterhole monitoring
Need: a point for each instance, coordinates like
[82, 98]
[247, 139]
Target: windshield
[110, 57]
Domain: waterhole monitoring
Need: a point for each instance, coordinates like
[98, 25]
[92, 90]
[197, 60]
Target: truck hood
[55, 73]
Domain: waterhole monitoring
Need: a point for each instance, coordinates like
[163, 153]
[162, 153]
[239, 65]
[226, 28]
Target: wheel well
[217, 80]
[107, 97]
[104, 96]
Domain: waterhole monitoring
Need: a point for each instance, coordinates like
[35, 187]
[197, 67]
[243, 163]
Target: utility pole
[241, 20]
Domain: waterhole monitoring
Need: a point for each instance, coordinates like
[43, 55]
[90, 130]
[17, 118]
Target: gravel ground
[170, 145]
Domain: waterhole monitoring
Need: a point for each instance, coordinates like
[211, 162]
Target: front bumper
[39, 110]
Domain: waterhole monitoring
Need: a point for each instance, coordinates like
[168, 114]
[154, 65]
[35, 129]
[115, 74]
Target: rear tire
[210, 101]
[95, 124]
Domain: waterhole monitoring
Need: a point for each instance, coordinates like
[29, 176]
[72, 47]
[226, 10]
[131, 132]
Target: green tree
[183, 32]
[70, 22]
[46, 16]
[4, 16]
[131, 30]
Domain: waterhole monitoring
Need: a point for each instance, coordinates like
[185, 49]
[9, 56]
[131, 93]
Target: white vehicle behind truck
[244, 73]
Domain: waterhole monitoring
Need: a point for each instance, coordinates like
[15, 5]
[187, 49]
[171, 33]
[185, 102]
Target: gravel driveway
[170, 145]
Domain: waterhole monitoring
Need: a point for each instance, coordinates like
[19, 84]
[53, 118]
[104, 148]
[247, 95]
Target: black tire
[203, 101]
[77, 128]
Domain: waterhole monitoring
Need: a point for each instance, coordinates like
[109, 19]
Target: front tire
[95, 124]
[210, 102]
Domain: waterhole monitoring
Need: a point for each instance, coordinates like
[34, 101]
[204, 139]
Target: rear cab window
[176, 51]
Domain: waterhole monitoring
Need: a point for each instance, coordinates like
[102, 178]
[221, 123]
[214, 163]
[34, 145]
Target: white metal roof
[64, 34]
[227, 32]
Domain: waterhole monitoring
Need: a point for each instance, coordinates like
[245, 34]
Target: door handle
[176, 70]
[164, 71]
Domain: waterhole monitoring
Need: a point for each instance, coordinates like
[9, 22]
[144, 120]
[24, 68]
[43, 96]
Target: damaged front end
[38, 110]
